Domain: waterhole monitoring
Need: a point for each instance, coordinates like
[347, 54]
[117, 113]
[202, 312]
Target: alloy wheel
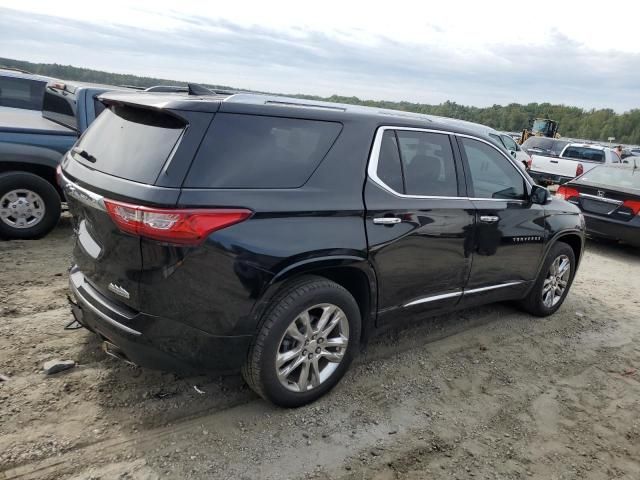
[312, 347]
[21, 208]
[557, 281]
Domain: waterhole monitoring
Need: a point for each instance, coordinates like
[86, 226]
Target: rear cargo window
[130, 143]
[249, 151]
[21, 93]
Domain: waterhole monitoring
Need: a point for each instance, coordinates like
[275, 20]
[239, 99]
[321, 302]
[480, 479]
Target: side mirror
[540, 195]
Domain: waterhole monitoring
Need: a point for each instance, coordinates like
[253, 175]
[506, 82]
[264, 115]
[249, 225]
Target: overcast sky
[475, 53]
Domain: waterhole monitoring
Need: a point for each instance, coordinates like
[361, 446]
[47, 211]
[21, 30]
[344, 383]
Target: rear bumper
[155, 342]
[548, 178]
[628, 232]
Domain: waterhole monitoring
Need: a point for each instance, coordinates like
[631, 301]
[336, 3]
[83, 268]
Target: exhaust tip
[115, 352]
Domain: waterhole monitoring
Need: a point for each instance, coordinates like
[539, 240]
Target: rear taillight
[529, 163]
[579, 170]
[176, 226]
[633, 205]
[567, 192]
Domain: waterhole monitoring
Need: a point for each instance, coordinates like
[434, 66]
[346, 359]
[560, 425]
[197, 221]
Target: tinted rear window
[21, 93]
[249, 151]
[130, 143]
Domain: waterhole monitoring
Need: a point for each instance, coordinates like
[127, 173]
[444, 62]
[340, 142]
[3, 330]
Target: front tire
[553, 282]
[309, 335]
[29, 206]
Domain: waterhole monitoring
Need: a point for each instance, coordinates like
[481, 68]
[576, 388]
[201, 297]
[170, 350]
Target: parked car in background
[609, 196]
[276, 235]
[31, 146]
[574, 160]
[514, 149]
[550, 147]
[22, 90]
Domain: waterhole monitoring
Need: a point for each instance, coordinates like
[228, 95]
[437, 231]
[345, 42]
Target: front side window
[492, 175]
[428, 164]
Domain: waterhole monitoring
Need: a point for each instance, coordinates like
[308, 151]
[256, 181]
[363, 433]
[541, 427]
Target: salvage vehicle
[275, 235]
[549, 147]
[609, 197]
[31, 146]
[574, 160]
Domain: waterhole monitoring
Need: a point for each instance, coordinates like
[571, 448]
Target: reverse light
[567, 192]
[633, 205]
[579, 170]
[176, 226]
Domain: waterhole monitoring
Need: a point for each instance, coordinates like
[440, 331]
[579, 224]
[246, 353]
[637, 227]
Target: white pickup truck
[574, 160]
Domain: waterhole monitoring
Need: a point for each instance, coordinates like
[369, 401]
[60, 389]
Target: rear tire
[553, 284]
[309, 335]
[29, 206]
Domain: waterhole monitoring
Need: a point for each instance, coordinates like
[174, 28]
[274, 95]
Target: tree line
[574, 122]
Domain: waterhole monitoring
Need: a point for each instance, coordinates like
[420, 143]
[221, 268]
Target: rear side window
[21, 93]
[428, 164]
[250, 151]
[130, 143]
[389, 168]
[510, 143]
[492, 175]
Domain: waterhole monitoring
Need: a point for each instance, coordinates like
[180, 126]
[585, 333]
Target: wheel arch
[353, 273]
[42, 170]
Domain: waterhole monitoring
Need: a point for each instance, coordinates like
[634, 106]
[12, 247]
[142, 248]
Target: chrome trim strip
[372, 169]
[82, 194]
[432, 298]
[104, 317]
[492, 287]
[602, 199]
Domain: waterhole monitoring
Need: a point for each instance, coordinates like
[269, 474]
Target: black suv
[275, 235]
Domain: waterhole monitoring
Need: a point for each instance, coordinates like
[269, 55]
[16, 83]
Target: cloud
[346, 63]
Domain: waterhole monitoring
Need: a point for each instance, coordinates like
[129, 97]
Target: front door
[419, 222]
[510, 230]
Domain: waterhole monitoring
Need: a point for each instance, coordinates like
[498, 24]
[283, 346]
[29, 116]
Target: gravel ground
[488, 393]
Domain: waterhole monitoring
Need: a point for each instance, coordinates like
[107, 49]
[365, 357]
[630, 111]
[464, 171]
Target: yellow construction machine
[542, 127]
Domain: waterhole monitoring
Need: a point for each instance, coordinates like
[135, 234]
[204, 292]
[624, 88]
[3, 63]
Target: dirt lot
[489, 393]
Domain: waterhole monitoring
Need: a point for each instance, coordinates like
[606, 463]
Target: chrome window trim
[374, 158]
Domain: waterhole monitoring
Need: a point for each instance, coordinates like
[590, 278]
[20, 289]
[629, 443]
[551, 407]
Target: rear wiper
[84, 154]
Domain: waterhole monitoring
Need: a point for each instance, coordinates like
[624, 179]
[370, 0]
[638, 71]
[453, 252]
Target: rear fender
[332, 267]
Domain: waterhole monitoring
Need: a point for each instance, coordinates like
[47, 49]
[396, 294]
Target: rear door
[419, 222]
[509, 229]
[122, 156]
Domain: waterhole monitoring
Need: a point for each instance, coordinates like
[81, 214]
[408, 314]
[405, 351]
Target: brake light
[567, 192]
[529, 163]
[579, 170]
[633, 205]
[176, 226]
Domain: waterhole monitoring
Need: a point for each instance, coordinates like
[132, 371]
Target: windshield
[540, 126]
[628, 178]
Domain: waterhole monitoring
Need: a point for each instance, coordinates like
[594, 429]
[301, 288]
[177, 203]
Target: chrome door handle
[489, 218]
[386, 220]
